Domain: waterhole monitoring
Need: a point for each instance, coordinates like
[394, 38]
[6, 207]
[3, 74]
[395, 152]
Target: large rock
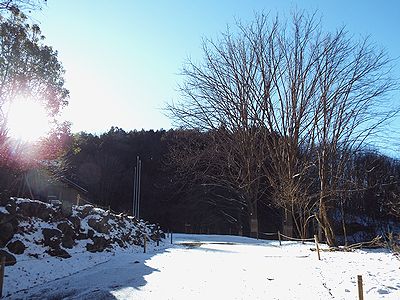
[76, 222]
[83, 236]
[86, 210]
[11, 208]
[35, 209]
[101, 225]
[10, 259]
[6, 217]
[91, 248]
[68, 242]
[16, 247]
[99, 244]
[7, 231]
[58, 252]
[66, 229]
[57, 214]
[52, 237]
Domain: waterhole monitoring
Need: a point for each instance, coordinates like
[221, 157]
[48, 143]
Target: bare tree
[354, 80]
[220, 98]
[202, 175]
[293, 103]
[213, 161]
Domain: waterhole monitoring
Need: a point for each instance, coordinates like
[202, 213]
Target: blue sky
[123, 57]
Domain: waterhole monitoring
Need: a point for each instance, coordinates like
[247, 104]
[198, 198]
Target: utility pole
[134, 193]
[136, 188]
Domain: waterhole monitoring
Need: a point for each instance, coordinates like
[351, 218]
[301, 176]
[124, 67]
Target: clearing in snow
[209, 267]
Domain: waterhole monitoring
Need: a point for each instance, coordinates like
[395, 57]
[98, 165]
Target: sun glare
[27, 120]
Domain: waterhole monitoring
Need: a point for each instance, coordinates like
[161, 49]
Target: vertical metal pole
[134, 194]
[139, 178]
[135, 204]
[137, 185]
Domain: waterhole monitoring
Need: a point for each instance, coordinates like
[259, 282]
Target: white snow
[24, 200]
[208, 267]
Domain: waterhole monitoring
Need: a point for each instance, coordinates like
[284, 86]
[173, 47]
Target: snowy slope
[42, 243]
[212, 267]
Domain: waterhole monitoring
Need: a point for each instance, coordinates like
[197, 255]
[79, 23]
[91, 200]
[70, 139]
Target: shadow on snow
[102, 281]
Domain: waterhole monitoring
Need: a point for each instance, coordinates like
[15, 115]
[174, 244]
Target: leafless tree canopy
[21, 5]
[290, 92]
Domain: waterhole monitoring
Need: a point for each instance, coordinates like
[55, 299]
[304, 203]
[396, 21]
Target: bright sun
[27, 120]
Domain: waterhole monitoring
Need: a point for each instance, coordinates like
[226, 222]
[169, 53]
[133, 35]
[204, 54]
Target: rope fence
[296, 239]
[279, 234]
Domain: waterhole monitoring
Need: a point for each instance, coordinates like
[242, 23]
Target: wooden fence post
[279, 237]
[360, 287]
[171, 236]
[2, 267]
[158, 235]
[144, 243]
[317, 246]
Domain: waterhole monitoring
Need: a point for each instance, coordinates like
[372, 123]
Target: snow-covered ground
[208, 267]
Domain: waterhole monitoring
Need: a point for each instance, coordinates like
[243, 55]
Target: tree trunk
[254, 227]
[326, 224]
[287, 225]
[323, 208]
[343, 224]
[253, 219]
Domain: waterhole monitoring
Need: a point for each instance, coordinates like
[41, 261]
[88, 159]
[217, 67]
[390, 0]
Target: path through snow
[225, 267]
